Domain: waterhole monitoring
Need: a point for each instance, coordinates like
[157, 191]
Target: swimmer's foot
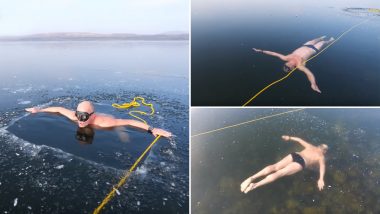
[245, 184]
[251, 186]
[331, 39]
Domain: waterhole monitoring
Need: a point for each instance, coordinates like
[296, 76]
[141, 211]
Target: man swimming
[85, 116]
[308, 158]
[298, 58]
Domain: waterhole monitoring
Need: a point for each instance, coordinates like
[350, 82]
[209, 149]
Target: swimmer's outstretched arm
[111, 122]
[271, 53]
[296, 139]
[65, 112]
[310, 77]
[322, 169]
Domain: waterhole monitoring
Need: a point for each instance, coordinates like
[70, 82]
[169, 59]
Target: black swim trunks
[298, 159]
[312, 47]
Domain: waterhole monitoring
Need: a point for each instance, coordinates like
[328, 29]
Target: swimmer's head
[289, 66]
[324, 148]
[85, 113]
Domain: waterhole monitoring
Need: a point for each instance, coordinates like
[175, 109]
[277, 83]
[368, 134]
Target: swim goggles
[83, 116]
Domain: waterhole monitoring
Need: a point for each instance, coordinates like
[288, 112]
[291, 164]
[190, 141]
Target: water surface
[222, 160]
[45, 168]
[225, 70]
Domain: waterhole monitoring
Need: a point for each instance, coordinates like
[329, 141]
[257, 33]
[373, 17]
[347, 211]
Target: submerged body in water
[58, 161]
[351, 181]
[85, 116]
[226, 39]
[291, 164]
[42, 162]
[298, 58]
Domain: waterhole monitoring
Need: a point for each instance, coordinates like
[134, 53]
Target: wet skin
[297, 59]
[312, 155]
[98, 120]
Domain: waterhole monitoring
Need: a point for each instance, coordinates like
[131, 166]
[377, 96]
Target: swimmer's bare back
[311, 48]
[297, 59]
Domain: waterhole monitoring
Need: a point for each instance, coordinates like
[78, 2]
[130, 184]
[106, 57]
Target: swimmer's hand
[257, 50]
[315, 88]
[321, 184]
[32, 110]
[285, 137]
[163, 133]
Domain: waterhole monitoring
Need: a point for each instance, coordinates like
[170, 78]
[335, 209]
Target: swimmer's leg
[321, 44]
[269, 169]
[290, 169]
[315, 41]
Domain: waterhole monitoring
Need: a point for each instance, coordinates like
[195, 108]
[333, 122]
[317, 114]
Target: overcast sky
[19, 17]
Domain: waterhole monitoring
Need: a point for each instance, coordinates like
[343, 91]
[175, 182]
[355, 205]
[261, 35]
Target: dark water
[117, 148]
[46, 170]
[222, 160]
[225, 70]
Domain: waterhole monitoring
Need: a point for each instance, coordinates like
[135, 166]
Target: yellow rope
[250, 121]
[134, 104]
[373, 10]
[124, 178]
[277, 81]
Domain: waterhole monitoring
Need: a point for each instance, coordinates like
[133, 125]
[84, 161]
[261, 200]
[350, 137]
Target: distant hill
[82, 36]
